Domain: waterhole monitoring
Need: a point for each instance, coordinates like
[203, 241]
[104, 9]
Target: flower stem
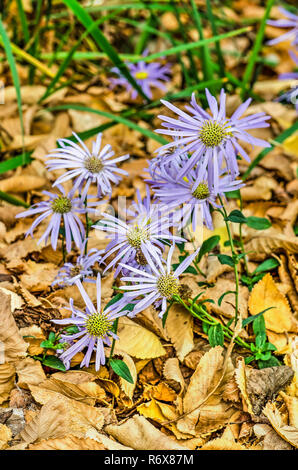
[234, 256]
[114, 341]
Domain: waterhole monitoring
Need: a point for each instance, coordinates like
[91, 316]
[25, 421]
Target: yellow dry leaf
[139, 434]
[173, 373]
[265, 294]
[33, 335]
[68, 442]
[288, 433]
[290, 145]
[7, 376]
[240, 377]
[60, 417]
[162, 392]
[292, 406]
[29, 372]
[203, 398]
[138, 341]
[5, 436]
[38, 276]
[19, 184]
[270, 242]
[12, 344]
[222, 443]
[179, 327]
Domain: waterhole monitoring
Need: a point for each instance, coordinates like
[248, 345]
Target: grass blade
[12, 200]
[279, 139]
[220, 56]
[15, 162]
[248, 73]
[103, 43]
[15, 77]
[117, 119]
[206, 59]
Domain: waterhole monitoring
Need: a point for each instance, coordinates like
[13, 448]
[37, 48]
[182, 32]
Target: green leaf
[267, 265]
[215, 335]
[207, 246]
[272, 362]
[261, 340]
[237, 216]
[54, 362]
[223, 295]
[15, 162]
[114, 300]
[258, 223]
[259, 325]
[233, 194]
[252, 318]
[121, 369]
[47, 344]
[226, 259]
[12, 200]
[103, 43]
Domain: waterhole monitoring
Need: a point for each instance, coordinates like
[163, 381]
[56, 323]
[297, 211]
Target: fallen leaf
[288, 433]
[264, 295]
[29, 372]
[179, 328]
[138, 341]
[5, 436]
[68, 442]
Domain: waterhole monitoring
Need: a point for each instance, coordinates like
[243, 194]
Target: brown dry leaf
[5, 436]
[288, 433]
[227, 307]
[264, 295]
[19, 184]
[139, 434]
[179, 327]
[222, 443]
[38, 276]
[203, 403]
[173, 374]
[240, 377]
[76, 385]
[60, 417]
[68, 442]
[138, 341]
[108, 443]
[270, 242]
[33, 335]
[7, 376]
[13, 343]
[271, 440]
[30, 372]
[264, 384]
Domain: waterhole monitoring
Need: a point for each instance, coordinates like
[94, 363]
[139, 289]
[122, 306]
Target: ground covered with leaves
[187, 388]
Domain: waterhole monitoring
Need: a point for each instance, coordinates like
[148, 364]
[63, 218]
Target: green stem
[114, 341]
[241, 240]
[200, 313]
[234, 256]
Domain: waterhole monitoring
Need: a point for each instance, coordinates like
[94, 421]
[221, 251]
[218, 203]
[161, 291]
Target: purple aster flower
[93, 166]
[63, 211]
[146, 75]
[291, 22]
[130, 239]
[205, 135]
[158, 287]
[95, 328]
[81, 270]
[193, 194]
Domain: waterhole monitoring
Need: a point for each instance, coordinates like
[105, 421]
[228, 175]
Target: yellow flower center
[136, 236]
[93, 164]
[202, 191]
[75, 270]
[141, 75]
[98, 324]
[168, 285]
[61, 204]
[212, 133]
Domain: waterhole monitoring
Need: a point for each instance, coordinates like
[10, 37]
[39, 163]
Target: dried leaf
[5, 436]
[264, 295]
[68, 442]
[288, 433]
[179, 328]
[10, 338]
[139, 434]
[138, 341]
[30, 372]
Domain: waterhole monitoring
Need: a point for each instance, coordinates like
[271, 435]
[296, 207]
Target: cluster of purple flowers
[187, 177]
[291, 22]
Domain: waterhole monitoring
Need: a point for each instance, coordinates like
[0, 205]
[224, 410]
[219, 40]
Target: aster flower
[130, 239]
[86, 166]
[146, 75]
[63, 210]
[205, 135]
[156, 288]
[291, 22]
[81, 270]
[95, 328]
[193, 194]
